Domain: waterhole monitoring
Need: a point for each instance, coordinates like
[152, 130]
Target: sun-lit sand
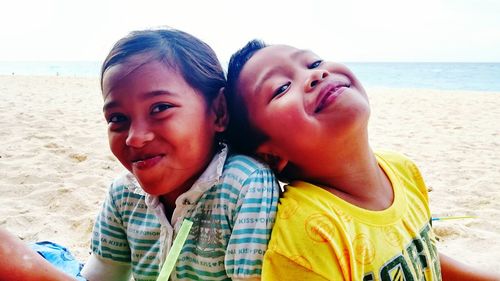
[55, 164]
[454, 137]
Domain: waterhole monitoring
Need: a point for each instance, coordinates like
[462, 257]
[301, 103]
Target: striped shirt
[232, 207]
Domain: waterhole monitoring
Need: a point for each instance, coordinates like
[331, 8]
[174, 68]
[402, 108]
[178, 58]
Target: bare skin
[457, 271]
[19, 262]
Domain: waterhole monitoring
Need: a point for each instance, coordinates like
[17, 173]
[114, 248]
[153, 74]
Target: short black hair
[241, 135]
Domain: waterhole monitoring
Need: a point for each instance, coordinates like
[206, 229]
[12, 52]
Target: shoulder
[239, 161]
[303, 224]
[403, 166]
[246, 177]
[397, 161]
[242, 167]
[125, 200]
[125, 185]
[392, 156]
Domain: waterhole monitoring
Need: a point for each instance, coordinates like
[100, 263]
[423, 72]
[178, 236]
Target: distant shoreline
[368, 88]
[464, 76]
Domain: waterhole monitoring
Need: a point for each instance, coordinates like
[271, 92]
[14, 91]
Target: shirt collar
[208, 178]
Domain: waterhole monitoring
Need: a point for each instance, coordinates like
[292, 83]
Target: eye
[116, 118]
[281, 89]
[314, 64]
[157, 108]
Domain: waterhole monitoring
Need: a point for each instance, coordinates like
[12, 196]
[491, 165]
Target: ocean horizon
[422, 75]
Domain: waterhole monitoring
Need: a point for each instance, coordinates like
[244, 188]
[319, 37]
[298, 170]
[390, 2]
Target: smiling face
[310, 109]
[159, 127]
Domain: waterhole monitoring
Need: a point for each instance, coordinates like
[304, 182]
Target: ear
[219, 107]
[269, 155]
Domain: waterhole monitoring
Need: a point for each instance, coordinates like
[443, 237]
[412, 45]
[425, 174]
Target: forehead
[266, 61]
[276, 51]
[140, 65]
[268, 57]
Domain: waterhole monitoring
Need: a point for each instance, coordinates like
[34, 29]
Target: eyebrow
[277, 69]
[266, 76]
[299, 53]
[147, 95]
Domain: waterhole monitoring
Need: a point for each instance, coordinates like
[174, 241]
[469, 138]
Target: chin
[360, 113]
[149, 188]
[153, 191]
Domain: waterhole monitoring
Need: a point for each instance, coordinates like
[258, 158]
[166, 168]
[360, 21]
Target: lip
[144, 162]
[328, 93]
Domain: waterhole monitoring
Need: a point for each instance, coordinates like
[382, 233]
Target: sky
[345, 31]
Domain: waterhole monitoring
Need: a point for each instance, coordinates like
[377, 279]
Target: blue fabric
[60, 257]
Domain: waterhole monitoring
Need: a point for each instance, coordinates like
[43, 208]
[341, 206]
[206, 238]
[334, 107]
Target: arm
[455, 271]
[19, 262]
[110, 258]
[96, 269]
[252, 221]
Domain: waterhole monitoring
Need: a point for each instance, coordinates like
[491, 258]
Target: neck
[355, 176]
[169, 199]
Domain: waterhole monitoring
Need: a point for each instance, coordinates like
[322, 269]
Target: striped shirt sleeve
[252, 224]
[109, 240]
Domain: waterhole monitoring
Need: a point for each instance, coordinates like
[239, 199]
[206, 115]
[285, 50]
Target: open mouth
[329, 94]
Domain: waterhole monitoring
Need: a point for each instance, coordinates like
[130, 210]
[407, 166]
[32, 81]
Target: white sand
[454, 137]
[55, 164]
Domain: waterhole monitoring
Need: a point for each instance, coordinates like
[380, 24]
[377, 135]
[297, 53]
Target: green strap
[172, 256]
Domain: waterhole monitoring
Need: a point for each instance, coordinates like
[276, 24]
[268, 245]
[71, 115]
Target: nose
[139, 134]
[315, 77]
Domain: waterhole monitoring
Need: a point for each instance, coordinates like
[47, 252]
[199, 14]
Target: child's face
[159, 127]
[305, 106]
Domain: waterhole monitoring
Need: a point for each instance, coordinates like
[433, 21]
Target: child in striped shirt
[166, 114]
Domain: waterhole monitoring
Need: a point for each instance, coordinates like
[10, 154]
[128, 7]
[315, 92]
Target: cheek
[116, 144]
[284, 124]
[195, 135]
[287, 117]
[201, 139]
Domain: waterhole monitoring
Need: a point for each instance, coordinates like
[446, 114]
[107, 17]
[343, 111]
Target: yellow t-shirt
[318, 236]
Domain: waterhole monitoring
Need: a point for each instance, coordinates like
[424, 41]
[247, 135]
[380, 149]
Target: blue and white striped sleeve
[253, 220]
[110, 251]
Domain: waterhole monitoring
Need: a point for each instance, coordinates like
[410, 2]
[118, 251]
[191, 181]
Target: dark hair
[243, 137]
[193, 58]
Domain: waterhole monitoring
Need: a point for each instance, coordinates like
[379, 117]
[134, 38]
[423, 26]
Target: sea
[432, 75]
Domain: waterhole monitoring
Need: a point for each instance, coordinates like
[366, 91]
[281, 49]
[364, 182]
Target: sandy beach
[55, 164]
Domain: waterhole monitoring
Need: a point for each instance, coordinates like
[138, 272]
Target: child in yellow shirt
[348, 213]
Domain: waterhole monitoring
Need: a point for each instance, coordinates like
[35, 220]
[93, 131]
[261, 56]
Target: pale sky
[346, 31]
